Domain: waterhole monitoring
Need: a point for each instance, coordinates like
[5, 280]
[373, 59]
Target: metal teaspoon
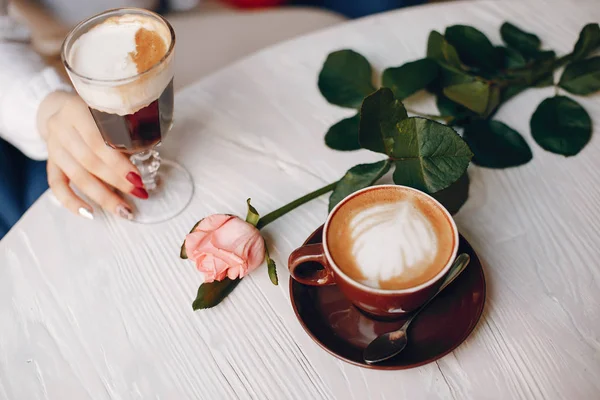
[390, 344]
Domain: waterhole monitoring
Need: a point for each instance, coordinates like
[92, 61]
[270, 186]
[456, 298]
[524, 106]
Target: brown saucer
[343, 331]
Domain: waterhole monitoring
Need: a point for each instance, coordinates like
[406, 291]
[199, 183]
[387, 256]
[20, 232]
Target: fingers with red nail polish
[78, 157]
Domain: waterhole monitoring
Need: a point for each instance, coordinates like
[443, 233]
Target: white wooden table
[102, 309]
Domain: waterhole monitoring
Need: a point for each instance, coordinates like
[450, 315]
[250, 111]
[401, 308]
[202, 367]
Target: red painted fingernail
[135, 179]
[139, 192]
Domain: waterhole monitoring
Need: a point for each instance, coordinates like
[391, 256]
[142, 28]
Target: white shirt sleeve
[25, 81]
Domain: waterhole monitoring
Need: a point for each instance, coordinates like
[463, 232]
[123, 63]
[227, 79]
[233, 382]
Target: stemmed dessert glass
[134, 115]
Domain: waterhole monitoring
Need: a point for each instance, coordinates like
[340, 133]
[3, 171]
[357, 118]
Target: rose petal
[213, 222]
[256, 253]
[231, 234]
[194, 240]
[229, 258]
[224, 261]
[206, 265]
[222, 274]
[234, 273]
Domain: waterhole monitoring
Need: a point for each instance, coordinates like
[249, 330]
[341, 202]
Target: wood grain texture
[102, 309]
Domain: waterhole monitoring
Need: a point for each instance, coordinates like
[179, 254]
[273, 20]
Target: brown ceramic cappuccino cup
[386, 247]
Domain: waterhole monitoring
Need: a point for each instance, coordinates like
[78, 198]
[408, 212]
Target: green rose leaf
[358, 177]
[379, 114]
[543, 70]
[472, 95]
[524, 42]
[493, 101]
[451, 76]
[428, 156]
[512, 58]
[582, 77]
[561, 125]
[344, 134]
[410, 77]
[211, 294]
[473, 47]
[271, 267]
[440, 50]
[476, 95]
[588, 42]
[448, 107]
[346, 78]
[455, 195]
[496, 145]
[252, 216]
[539, 73]
[182, 252]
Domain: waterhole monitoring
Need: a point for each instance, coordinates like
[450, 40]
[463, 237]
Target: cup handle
[310, 276]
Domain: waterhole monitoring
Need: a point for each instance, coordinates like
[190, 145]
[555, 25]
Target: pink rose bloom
[224, 245]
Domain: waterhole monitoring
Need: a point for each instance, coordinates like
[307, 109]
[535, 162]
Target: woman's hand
[78, 155]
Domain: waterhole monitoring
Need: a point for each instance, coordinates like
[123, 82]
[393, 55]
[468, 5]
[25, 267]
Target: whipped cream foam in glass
[391, 238]
[118, 64]
[109, 50]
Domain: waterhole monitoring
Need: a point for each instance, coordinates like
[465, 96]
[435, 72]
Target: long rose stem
[272, 216]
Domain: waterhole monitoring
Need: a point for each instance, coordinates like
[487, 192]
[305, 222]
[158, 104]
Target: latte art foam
[390, 238]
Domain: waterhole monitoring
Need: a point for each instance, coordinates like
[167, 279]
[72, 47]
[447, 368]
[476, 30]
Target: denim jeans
[359, 8]
[22, 181]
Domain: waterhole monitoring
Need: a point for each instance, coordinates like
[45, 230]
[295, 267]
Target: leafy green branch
[471, 79]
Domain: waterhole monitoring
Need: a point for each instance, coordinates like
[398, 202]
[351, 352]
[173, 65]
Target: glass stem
[147, 162]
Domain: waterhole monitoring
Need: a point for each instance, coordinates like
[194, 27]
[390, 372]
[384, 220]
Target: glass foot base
[172, 194]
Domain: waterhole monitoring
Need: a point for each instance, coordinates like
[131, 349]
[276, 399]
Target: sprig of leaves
[471, 78]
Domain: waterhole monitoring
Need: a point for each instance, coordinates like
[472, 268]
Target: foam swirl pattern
[407, 236]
